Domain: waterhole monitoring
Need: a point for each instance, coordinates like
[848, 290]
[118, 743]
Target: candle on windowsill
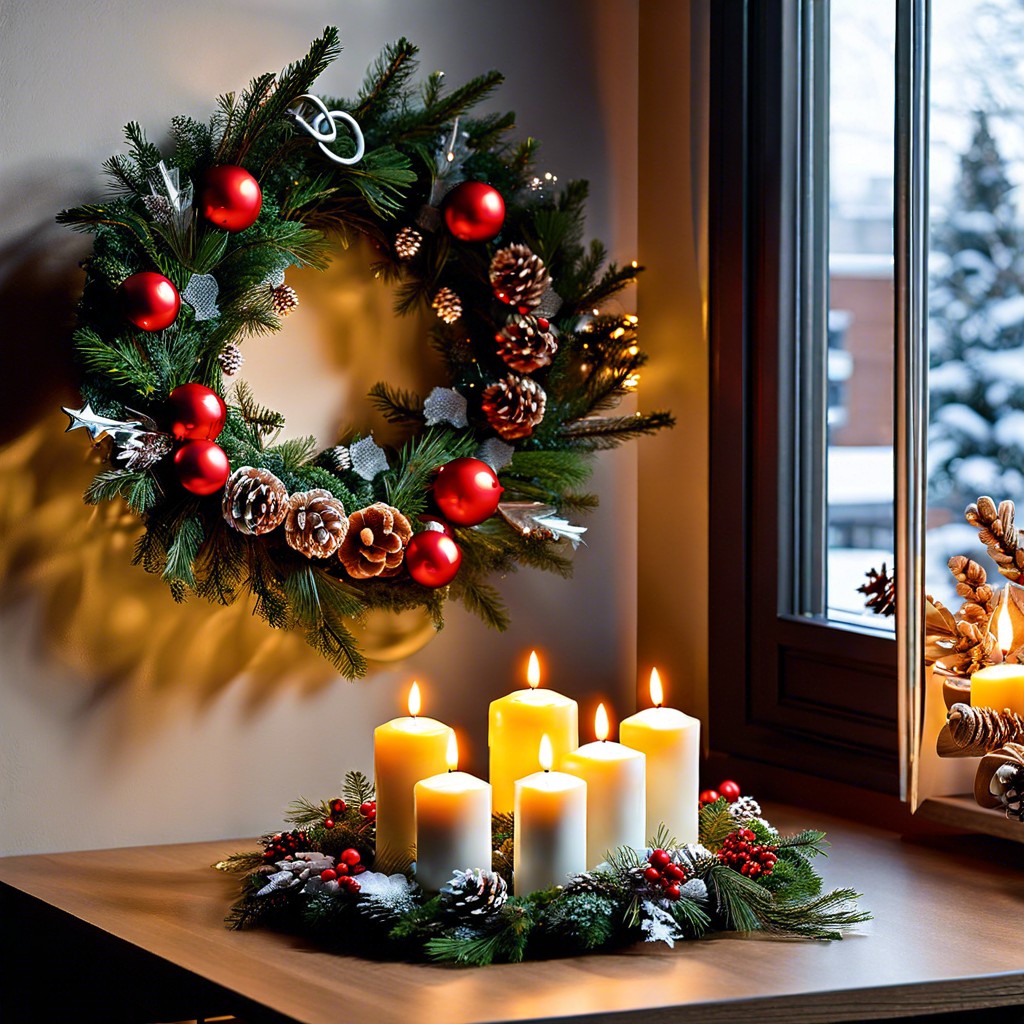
[616, 797]
[671, 742]
[1000, 686]
[515, 725]
[405, 750]
[453, 823]
[550, 831]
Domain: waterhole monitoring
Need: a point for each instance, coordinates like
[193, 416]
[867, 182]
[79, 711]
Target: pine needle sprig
[357, 788]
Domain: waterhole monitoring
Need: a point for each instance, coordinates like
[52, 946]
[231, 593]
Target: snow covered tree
[976, 335]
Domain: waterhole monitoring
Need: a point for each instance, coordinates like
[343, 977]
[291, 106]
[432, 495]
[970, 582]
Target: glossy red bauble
[709, 796]
[231, 197]
[730, 790]
[149, 301]
[467, 491]
[202, 467]
[474, 211]
[432, 558]
[195, 413]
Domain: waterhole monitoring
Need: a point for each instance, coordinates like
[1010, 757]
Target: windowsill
[941, 941]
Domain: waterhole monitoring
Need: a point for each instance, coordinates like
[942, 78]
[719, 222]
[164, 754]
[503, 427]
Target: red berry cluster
[727, 788]
[742, 852]
[349, 864]
[282, 845]
[662, 871]
[368, 809]
[337, 806]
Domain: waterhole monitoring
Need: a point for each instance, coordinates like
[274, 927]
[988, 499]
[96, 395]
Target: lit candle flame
[601, 723]
[1004, 624]
[657, 693]
[414, 700]
[452, 755]
[546, 755]
[533, 671]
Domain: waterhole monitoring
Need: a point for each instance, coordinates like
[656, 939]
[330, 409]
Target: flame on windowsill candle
[533, 671]
[601, 723]
[545, 754]
[452, 755]
[1004, 624]
[414, 699]
[657, 693]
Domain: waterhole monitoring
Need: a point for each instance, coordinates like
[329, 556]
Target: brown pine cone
[514, 406]
[407, 243]
[526, 343]
[315, 523]
[255, 501]
[284, 299]
[231, 360]
[519, 277]
[375, 543]
[998, 532]
[447, 305]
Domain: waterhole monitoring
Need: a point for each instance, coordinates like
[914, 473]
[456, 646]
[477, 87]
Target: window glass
[976, 272]
[859, 489]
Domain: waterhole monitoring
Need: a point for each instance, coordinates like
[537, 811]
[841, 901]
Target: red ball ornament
[202, 467]
[432, 558]
[709, 796]
[660, 858]
[328, 875]
[730, 790]
[351, 856]
[196, 413]
[467, 491]
[328, 823]
[474, 211]
[231, 197]
[149, 301]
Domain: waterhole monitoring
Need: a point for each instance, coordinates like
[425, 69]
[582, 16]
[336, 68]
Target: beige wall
[125, 719]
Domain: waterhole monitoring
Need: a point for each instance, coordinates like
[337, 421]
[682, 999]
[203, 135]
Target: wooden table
[145, 927]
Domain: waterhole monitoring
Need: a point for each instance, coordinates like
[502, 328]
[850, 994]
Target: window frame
[788, 690]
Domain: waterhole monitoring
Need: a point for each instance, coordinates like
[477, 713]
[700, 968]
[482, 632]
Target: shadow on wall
[108, 621]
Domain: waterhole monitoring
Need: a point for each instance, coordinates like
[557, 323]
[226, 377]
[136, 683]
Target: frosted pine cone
[744, 809]
[447, 305]
[315, 523]
[255, 501]
[514, 406]
[375, 543]
[519, 277]
[142, 450]
[407, 243]
[474, 894]
[231, 360]
[526, 343]
[285, 299]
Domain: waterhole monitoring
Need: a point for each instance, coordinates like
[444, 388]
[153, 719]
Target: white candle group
[607, 795]
[550, 830]
[671, 741]
[616, 797]
[453, 824]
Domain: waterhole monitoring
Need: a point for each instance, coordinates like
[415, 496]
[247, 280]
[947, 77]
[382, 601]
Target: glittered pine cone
[519, 277]
[375, 543]
[473, 894]
[514, 406]
[255, 501]
[315, 523]
[526, 343]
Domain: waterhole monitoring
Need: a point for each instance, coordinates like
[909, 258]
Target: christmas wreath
[320, 879]
[189, 259]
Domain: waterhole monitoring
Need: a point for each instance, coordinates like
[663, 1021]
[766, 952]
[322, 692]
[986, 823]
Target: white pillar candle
[405, 750]
[550, 831]
[671, 741]
[453, 824]
[515, 725]
[616, 798]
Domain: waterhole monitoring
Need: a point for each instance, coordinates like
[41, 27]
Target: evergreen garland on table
[538, 425]
[669, 893]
